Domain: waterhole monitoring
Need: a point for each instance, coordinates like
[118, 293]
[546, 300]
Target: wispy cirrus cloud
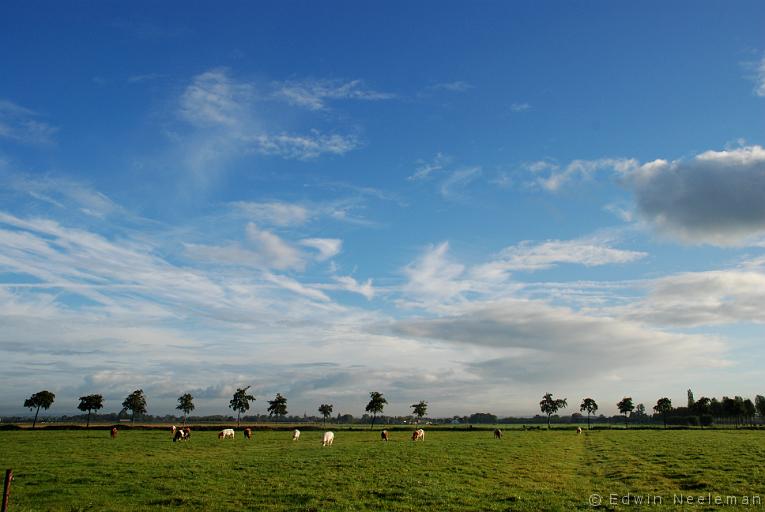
[456, 86]
[22, 125]
[314, 94]
[227, 123]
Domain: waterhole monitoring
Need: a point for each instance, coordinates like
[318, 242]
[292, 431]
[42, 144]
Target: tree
[759, 404]
[90, 403]
[241, 402]
[691, 401]
[664, 407]
[40, 399]
[749, 410]
[703, 407]
[550, 406]
[278, 406]
[376, 405]
[589, 405]
[326, 411]
[626, 406]
[185, 404]
[135, 403]
[419, 409]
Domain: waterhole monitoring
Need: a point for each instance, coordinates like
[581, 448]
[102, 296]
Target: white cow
[295, 435]
[418, 435]
[226, 433]
[327, 439]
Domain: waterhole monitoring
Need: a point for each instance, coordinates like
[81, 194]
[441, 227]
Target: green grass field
[539, 470]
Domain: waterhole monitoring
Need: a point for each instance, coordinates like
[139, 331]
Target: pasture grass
[535, 470]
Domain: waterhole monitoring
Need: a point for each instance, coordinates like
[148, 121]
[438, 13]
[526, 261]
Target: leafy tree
[419, 409]
[664, 407]
[278, 406]
[759, 404]
[135, 403]
[40, 399]
[589, 405]
[703, 407]
[90, 403]
[241, 402]
[185, 404]
[326, 411]
[626, 406]
[550, 406]
[749, 410]
[376, 405]
[691, 401]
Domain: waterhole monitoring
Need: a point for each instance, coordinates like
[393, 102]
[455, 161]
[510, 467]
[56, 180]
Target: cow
[295, 435]
[248, 433]
[384, 435]
[497, 433]
[113, 432]
[578, 430]
[226, 433]
[327, 439]
[182, 434]
[418, 435]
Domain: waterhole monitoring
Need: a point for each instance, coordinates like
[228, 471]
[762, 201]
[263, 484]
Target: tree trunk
[374, 416]
[548, 422]
[88, 425]
[35, 420]
[588, 421]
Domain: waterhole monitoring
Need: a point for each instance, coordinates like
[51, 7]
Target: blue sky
[471, 204]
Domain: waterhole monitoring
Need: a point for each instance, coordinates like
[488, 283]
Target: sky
[471, 204]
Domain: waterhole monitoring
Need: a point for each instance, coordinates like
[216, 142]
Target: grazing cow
[384, 435]
[182, 434]
[327, 439]
[295, 435]
[418, 435]
[497, 433]
[113, 433]
[578, 430]
[247, 433]
[226, 433]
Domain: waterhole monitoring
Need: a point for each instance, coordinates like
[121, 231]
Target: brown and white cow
[384, 435]
[497, 433]
[113, 433]
[418, 435]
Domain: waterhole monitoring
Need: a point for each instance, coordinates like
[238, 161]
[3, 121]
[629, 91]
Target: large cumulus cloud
[717, 197]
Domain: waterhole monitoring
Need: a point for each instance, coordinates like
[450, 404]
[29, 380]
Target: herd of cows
[184, 434]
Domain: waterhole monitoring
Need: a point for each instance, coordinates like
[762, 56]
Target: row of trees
[703, 411]
[135, 402]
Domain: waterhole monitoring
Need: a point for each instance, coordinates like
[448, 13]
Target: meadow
[78, 470]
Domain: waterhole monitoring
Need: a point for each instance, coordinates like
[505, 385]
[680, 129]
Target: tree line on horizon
[701, 412]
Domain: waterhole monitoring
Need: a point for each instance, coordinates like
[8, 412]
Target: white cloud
[536, 342]
[433, 277]
[520, 107]
[696, 299]
[276, 213]
[350, 284]
[452, 186]
[456, 86]
[313, 94]
[213, 98]
[277, 252]
[577, 169]
[23, 125]
[759, 89]
[301, 147]
[326, 247]
[425, 169]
